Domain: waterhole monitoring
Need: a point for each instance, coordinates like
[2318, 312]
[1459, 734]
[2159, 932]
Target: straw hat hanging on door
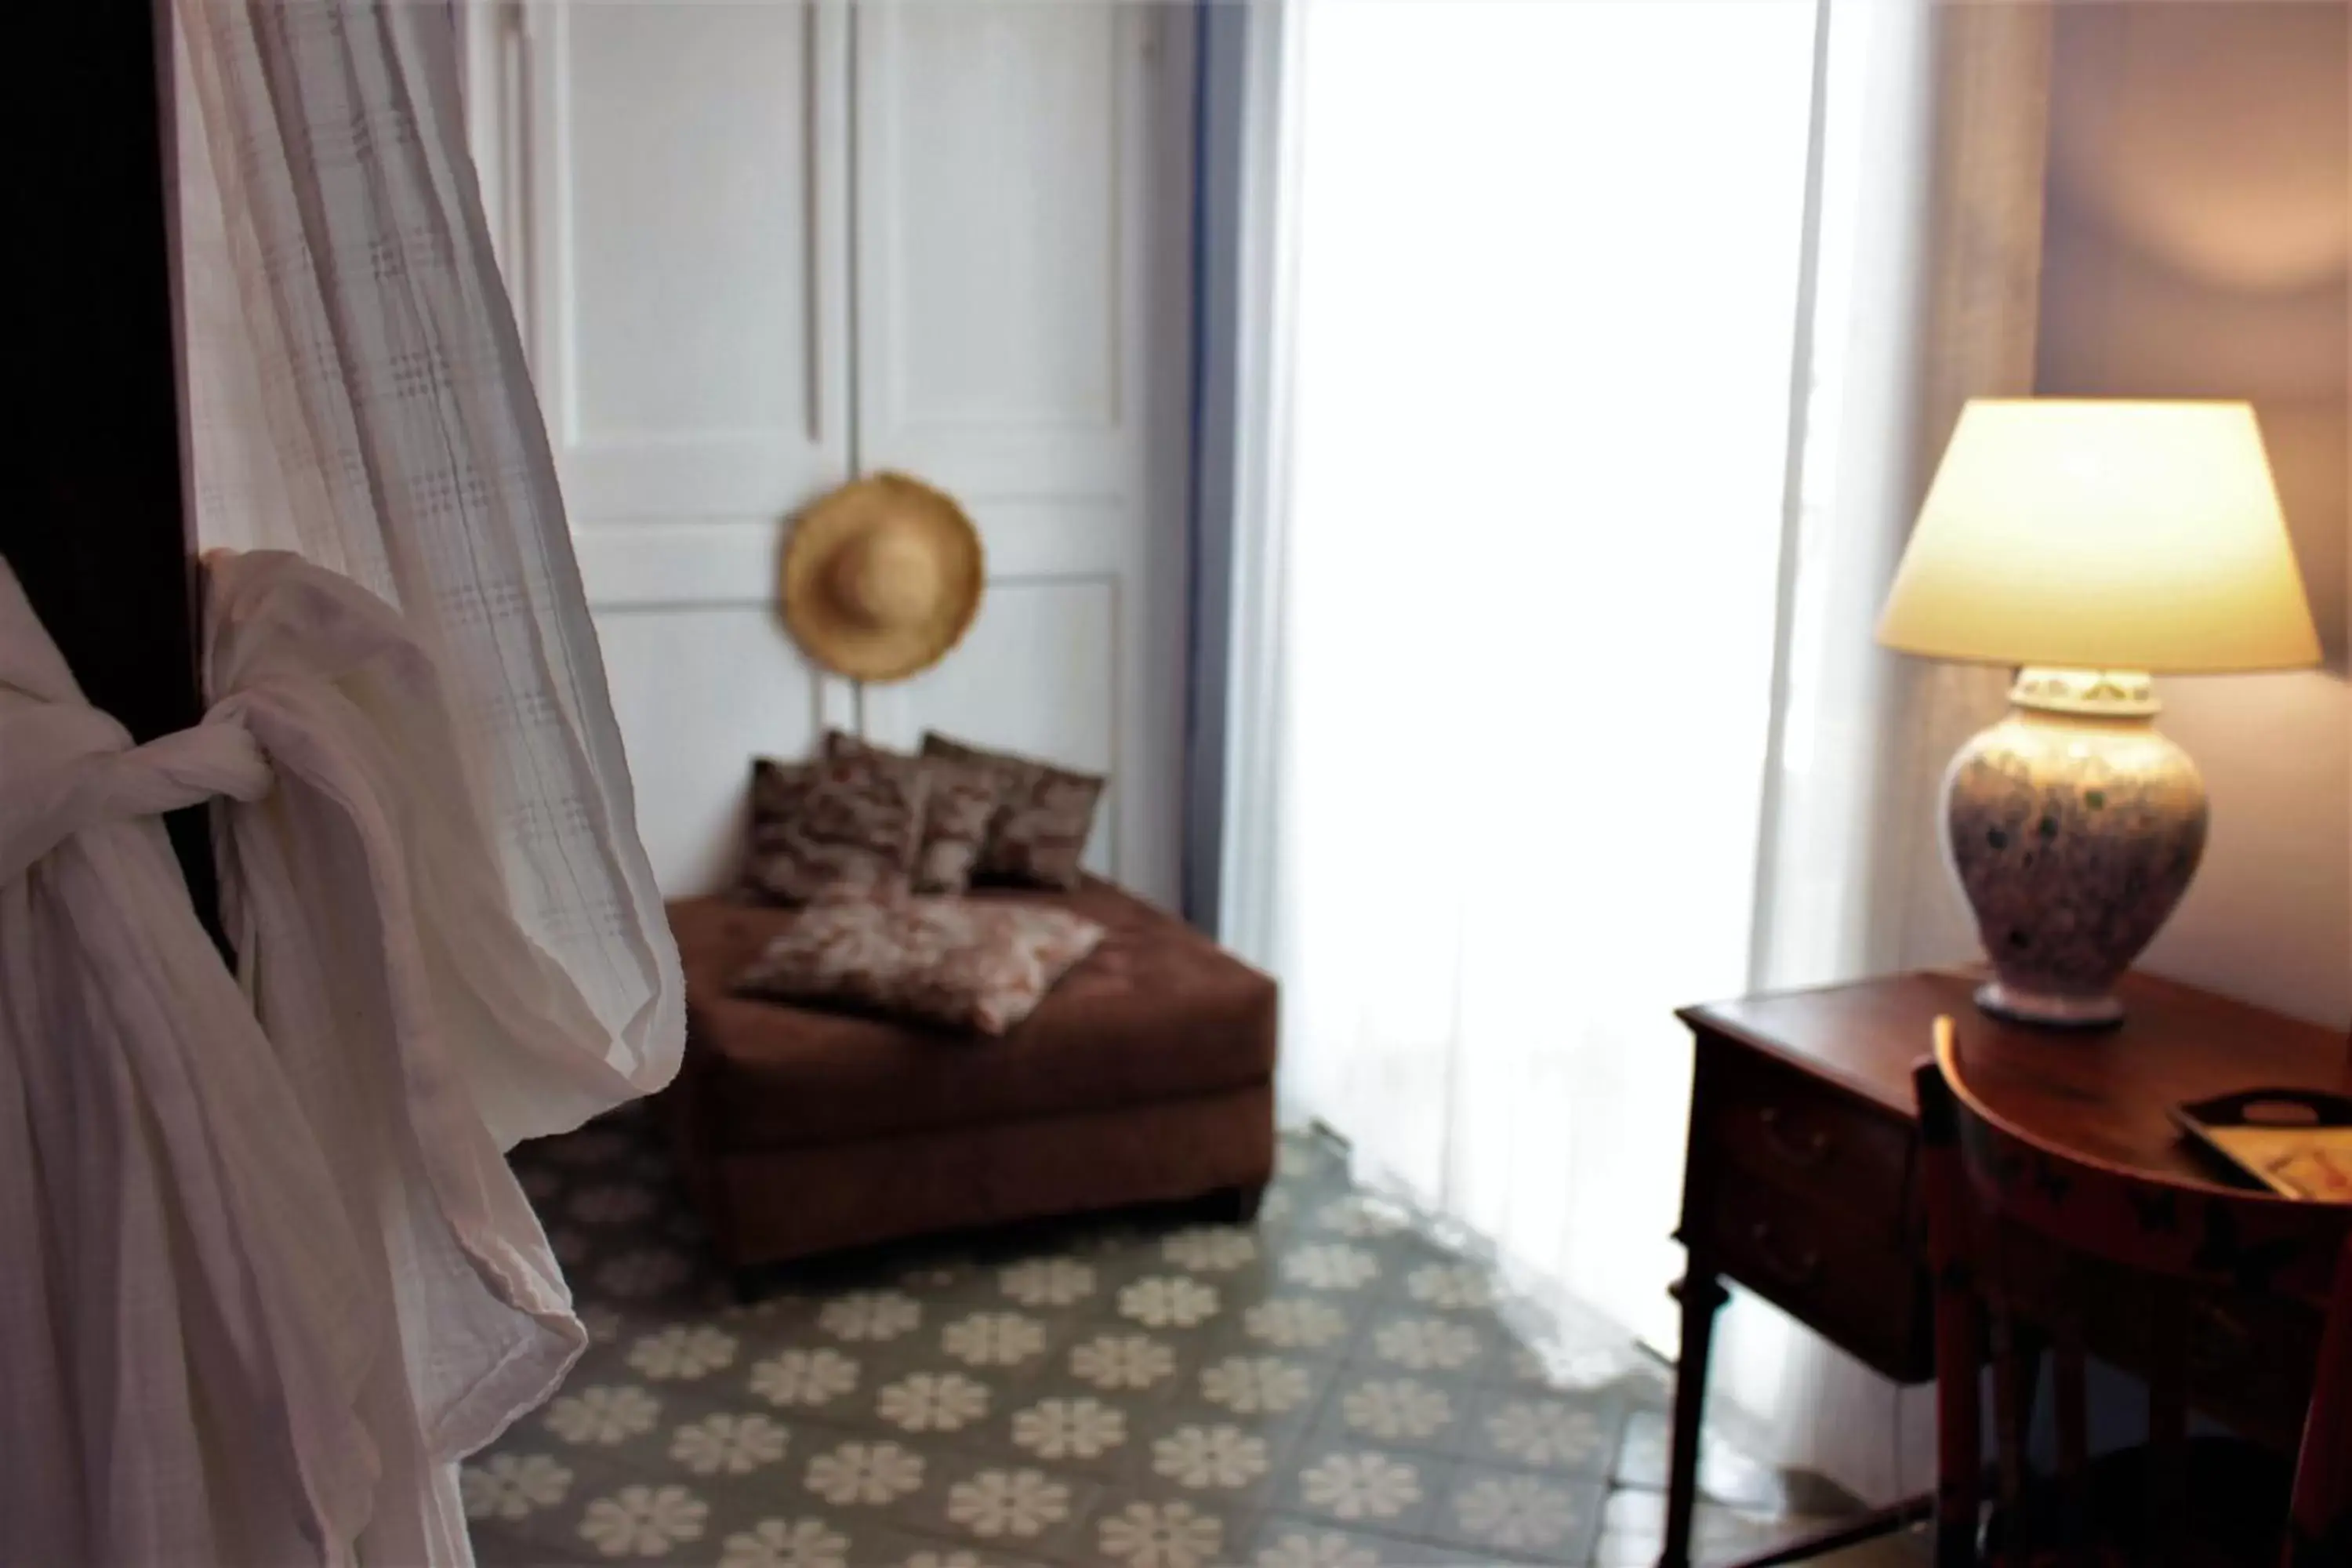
[881, 577]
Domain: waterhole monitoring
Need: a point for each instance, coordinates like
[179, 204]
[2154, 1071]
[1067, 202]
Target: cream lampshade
[2090, 543]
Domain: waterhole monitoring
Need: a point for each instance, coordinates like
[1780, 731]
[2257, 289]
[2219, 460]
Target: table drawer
[1771, 1121]
[1850, 1281]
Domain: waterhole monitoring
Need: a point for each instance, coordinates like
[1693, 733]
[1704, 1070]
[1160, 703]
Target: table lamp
[2090, 543]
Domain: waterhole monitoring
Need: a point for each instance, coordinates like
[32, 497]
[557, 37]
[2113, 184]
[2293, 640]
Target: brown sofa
[1146, 1075]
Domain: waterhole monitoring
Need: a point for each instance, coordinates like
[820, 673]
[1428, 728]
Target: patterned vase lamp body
[2090, 543]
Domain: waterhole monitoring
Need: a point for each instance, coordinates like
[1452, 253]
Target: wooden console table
[1800, 1182]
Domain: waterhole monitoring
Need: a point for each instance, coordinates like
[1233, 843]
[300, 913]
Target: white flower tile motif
[1452, 1287]
[1048, 1282]
[1295, 1323]
[512, 1486]
[1169, 1301]
[1008, 1503]
[993, 1339]
[603, 1414]
[933, 1402]
[718, 1482]
[1397, 1409]
[1122, 1360]
[643, 1272]
[728, 1445]
[1078, 1428]
[1361, 1218]
[1426, 1344]
[1221, 1457]
[1210, 1248]
[870, 1316]
[1359, 1485]
[1589, 1367]
[1515, 1512]
[1322, 1549]
[804, 1379]
[1161, 1535]
[1255, 1385]
[1546, 1433]
[786, 1543]
[683, 1351]
[644, 1521]
[865, 1474]
[610, 1203]
[1331, 1266]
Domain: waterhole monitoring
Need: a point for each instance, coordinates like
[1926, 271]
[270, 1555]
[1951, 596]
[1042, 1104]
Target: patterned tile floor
[1332, 1387]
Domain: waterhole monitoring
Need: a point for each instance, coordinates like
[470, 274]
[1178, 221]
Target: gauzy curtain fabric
[1501, 711]
[269, 1275]
[357, 394]
[185, 1316]
[1927, 295]
[1519, 766]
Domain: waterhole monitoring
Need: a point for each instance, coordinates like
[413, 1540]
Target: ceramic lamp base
[2049, 1010]
[2074, 828]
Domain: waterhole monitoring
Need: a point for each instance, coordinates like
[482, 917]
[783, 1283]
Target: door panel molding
[758, 247]
[688, 294]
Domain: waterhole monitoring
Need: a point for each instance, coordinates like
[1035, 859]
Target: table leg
[1701, 1297]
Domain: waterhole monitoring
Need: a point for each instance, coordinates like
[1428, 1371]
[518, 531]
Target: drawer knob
[1800, 1270]
[1805, 1153]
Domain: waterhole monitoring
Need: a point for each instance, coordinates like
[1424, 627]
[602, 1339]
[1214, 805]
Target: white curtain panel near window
[269, 1275]
[1580, 419]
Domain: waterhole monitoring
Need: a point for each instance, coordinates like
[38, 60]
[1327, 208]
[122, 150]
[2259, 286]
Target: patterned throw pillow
[959, 964]
[959, 806]
[838, 827]
[1044, 814]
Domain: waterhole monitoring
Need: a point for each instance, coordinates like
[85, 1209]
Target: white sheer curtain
[1555, 706]
[267, 1276]
[1546, 303]
[357, 394]
[1929, 251]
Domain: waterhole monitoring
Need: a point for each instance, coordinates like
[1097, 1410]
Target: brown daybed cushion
[835, 827]
[1044, 814]
[960, 804]
[1158, 1013]
[977, 965]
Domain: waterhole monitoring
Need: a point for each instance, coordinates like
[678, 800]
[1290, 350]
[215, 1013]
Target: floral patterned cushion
[837, 826]
[1044, 814]
[959, 808]
[959, 964]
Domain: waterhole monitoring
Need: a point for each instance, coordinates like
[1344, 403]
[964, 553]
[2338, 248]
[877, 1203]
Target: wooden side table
[1800, 1180]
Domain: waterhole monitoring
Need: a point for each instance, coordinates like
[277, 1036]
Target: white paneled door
[760, 246]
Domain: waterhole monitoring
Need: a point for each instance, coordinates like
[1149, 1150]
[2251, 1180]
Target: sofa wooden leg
[1236, 1206]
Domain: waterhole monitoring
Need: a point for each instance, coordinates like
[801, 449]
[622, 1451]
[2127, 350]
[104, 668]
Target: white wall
[2197, 243]
[762, 246]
